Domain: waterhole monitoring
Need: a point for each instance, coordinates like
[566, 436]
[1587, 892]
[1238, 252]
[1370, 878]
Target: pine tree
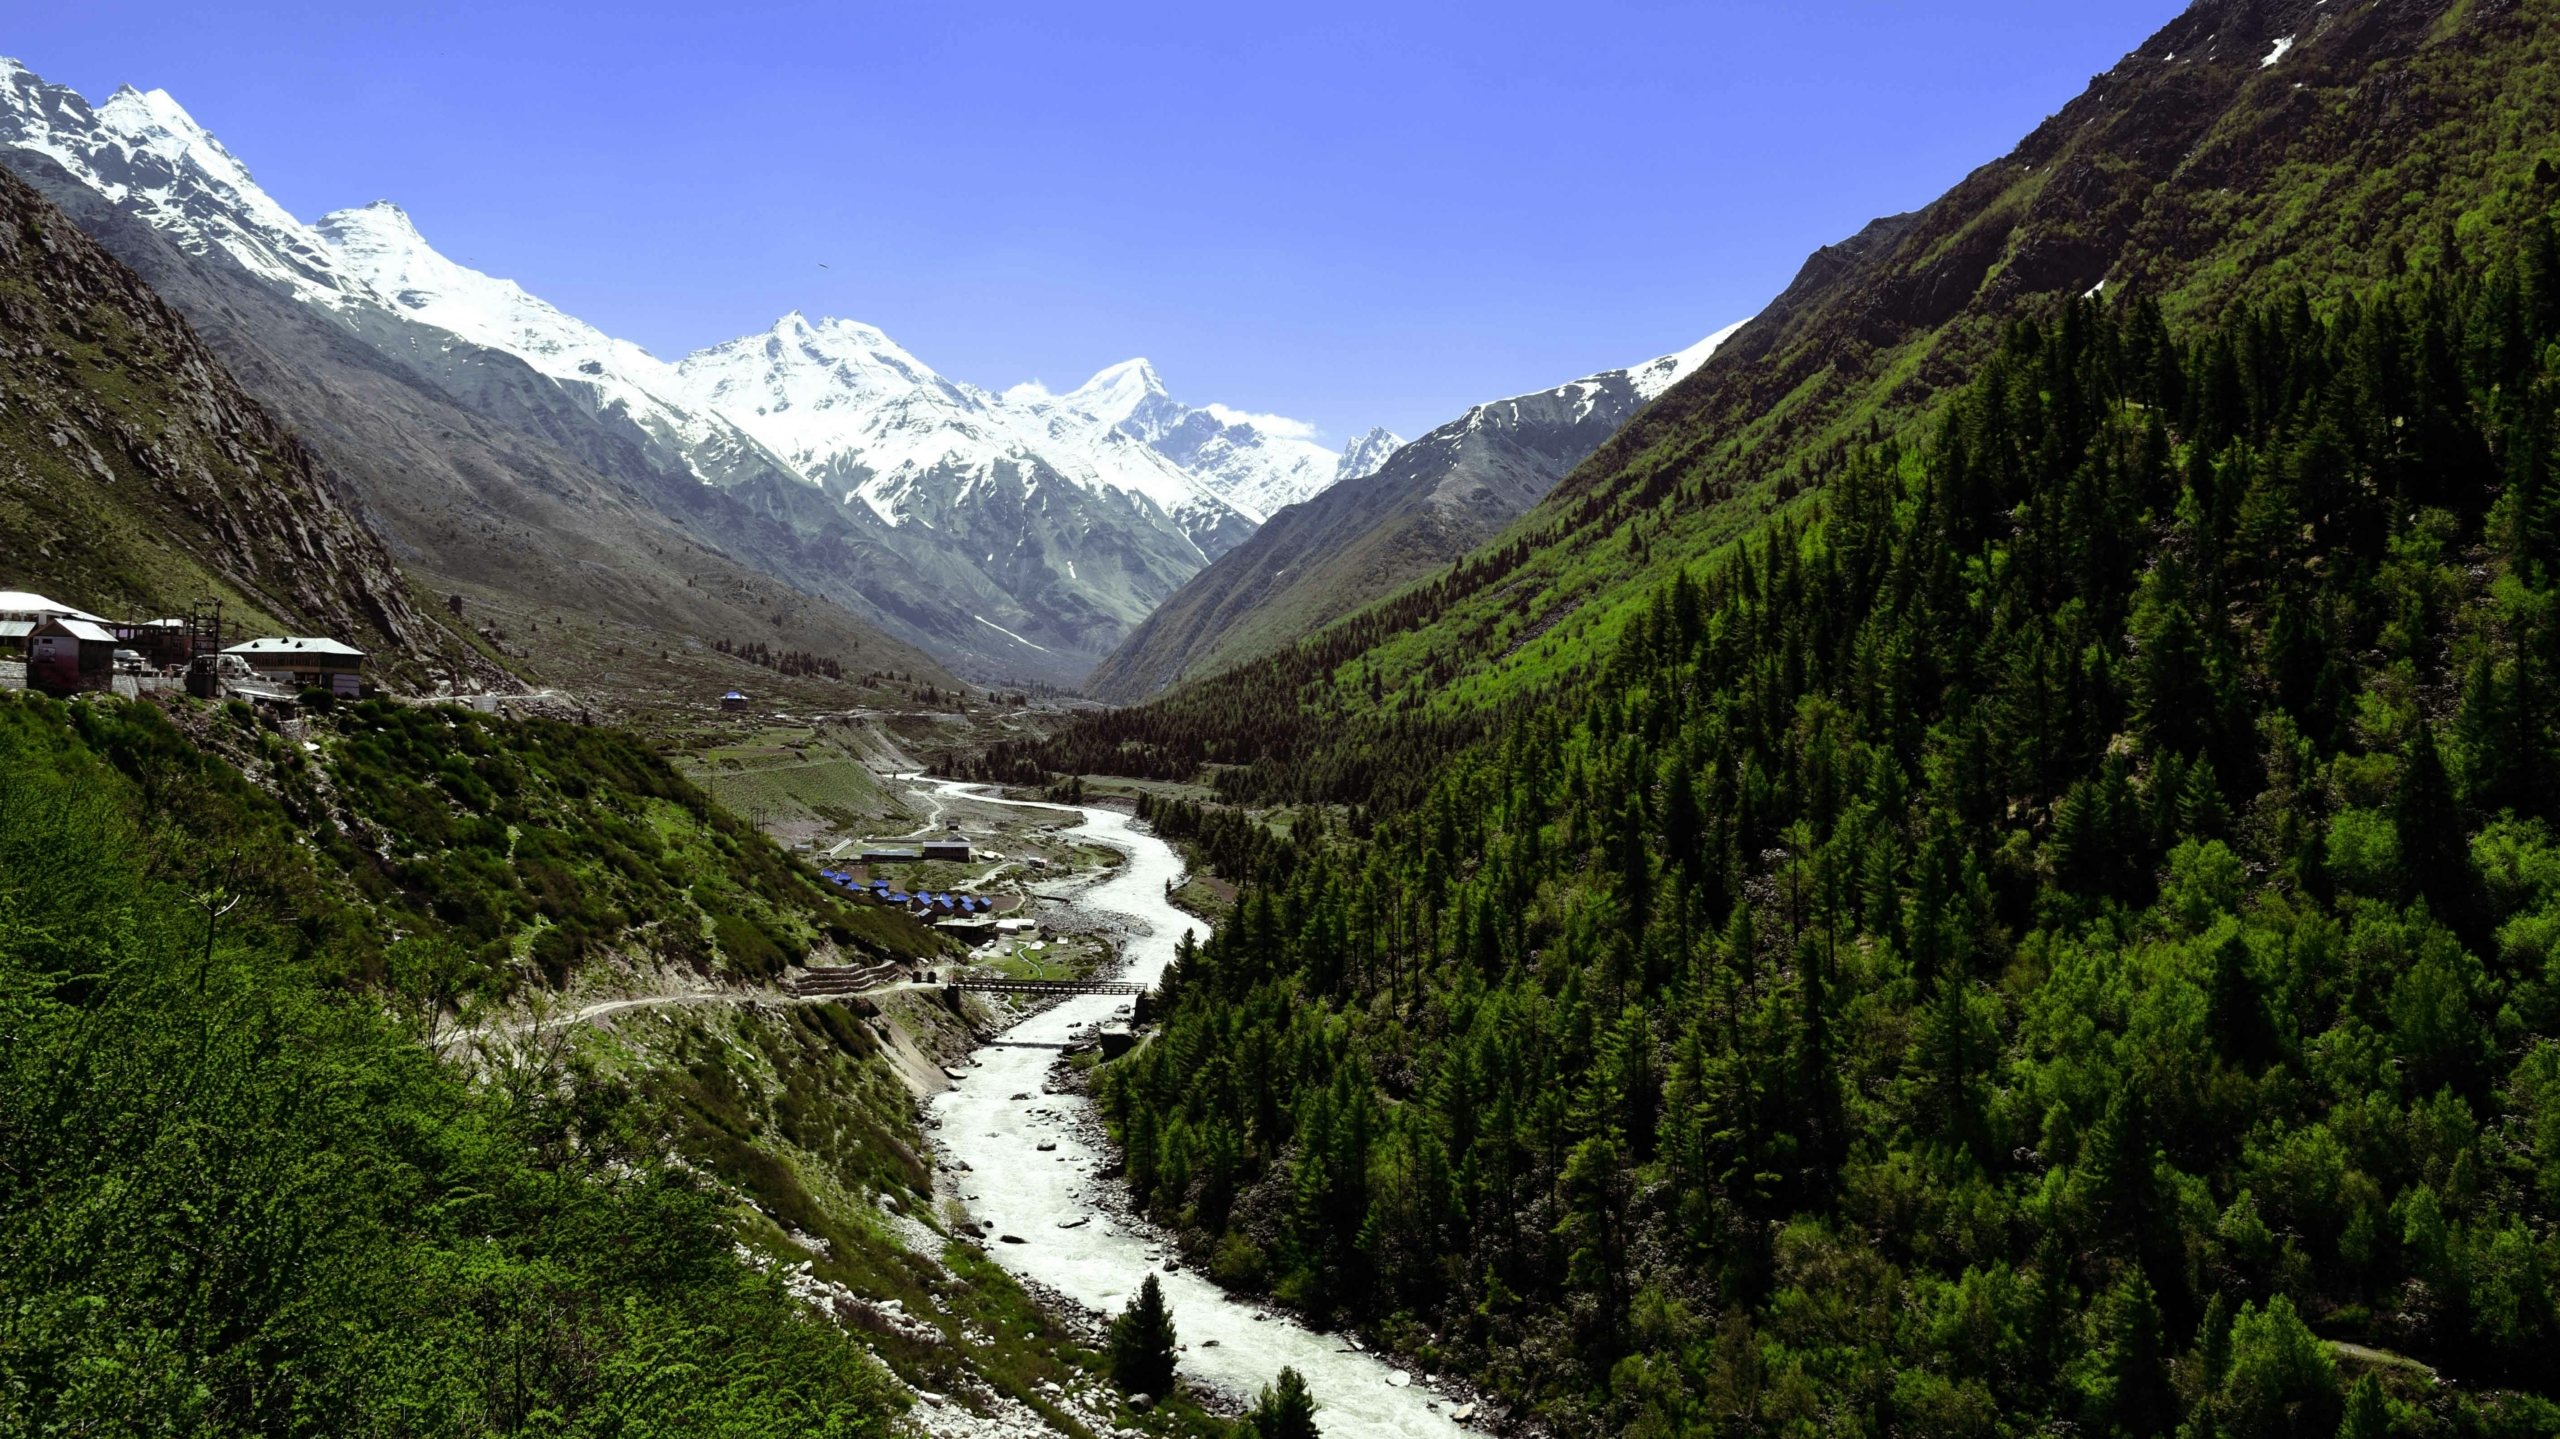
[2131, 1394]
[1142, 1343]
[2283, 1383]
[1287, 1411]
[2368, 1414]
[2431, 835]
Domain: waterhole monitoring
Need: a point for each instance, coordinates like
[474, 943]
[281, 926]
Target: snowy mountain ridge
[1257, 463]
[144, 151]
[1416, 507]
[946, 512]
[380, 245]
[857, 414]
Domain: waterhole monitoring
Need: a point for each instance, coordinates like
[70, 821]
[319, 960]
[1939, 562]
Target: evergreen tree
[2368, 1413]
[1142, 1344]
[1287, 1411]
[2282, 1384]
[2432, 847]
[2131, 1393]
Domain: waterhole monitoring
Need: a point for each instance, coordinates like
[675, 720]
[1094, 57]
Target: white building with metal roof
[305, 662]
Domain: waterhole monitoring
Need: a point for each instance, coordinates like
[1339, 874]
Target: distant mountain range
[1012, 535]
[1431, 502]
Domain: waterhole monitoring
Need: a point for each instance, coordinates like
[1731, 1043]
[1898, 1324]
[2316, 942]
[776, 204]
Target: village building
[66, 655]
[733, 703]
[305, 663]
[173, 644]
[22, 610]
[954, 848]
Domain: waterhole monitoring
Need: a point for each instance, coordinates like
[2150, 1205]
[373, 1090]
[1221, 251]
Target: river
[1026, 1191]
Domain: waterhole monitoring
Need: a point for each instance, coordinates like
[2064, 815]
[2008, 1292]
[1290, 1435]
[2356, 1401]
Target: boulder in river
[1011, 1238]
[1398, 1378]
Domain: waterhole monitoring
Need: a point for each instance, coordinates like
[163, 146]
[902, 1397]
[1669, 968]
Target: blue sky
[1352, 214]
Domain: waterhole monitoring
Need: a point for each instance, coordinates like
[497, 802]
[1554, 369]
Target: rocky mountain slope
[1017, 535]
[500, 513]
[1361, 540]
[137, 477]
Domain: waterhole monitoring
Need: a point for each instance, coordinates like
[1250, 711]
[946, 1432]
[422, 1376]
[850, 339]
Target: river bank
[1035, 1171]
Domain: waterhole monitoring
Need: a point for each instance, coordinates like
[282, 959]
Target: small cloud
[1279, 427]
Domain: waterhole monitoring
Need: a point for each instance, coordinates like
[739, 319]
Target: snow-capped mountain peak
[1255, 463]
[1129, 397]
[1062, 517]
[143, 150]
[155, 121]
[1655, 376]
[381, 243]
[1122, 389]
[785, 381]
[1364, 454]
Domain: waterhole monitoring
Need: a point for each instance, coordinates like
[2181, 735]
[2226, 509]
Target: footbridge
[837, 982]
[1045, 986]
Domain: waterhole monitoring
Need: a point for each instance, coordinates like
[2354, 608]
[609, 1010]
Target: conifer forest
[2016, 942]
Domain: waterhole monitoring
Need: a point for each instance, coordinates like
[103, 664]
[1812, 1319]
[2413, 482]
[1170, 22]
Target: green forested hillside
[2047, 932]
[238, 1195]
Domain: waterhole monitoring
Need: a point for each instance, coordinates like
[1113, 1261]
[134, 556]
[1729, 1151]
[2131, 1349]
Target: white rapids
[1028, 1192]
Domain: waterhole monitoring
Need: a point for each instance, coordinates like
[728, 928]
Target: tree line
[788, 662]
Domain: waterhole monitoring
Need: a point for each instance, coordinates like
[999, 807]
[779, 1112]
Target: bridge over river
[858, 979]
[1045, 986]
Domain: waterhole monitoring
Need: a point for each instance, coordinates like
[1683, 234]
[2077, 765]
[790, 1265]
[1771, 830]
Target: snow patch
[2277, 53]
[1655, 376]
[1008, 634]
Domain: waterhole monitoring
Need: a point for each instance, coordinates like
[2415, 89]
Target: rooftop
[293, 645]
[28, 605]
[80, 630]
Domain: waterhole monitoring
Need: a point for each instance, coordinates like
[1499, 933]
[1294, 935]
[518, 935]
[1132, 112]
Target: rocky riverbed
[1029, 1166]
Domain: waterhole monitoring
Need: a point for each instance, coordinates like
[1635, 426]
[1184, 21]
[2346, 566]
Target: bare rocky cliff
[136, 475]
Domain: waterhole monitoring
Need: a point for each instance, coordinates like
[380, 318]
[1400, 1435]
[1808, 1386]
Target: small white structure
[305, 662]
[22, 610]
[65, 655]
